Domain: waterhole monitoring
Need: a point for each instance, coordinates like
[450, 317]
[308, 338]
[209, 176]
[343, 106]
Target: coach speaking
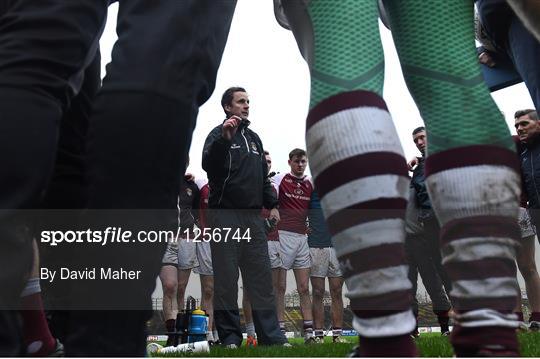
[233, 158]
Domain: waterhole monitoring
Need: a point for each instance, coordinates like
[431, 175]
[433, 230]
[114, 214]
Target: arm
[215, 151]
[203, 206]
[196, 203]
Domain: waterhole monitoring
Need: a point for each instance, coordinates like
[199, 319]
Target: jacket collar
[532, 144]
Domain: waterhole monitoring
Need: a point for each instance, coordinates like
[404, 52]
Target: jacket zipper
[534, 180]
[228, 175]
[245, 139]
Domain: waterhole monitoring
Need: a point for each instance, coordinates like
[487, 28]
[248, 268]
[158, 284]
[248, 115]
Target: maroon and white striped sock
[361, 175]
[475, 192]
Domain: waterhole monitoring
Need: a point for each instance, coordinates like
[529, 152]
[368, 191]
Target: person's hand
[486, 59]
[274, 214]
[412, 163]
[230, 127]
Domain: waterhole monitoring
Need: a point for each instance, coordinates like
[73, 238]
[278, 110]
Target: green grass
[429, 345]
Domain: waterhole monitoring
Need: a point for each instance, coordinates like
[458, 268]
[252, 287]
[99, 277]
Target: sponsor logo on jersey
[298, 191]
[296, 196]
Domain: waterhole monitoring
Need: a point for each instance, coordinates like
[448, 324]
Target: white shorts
[181, 254]
[294, 250]
[204, 256]
[273, 253]
[525, 223]
[324, 263]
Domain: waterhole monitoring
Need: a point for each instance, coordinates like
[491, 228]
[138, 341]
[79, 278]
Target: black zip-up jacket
[418, 183]
[530, 171]
[237, 170]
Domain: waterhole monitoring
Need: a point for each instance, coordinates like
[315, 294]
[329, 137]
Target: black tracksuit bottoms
[250, 255]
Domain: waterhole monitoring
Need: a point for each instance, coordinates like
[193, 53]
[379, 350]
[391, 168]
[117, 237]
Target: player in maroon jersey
[294, 192]
[205, 269]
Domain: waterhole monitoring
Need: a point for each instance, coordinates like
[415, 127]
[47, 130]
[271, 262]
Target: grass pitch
[429, 345]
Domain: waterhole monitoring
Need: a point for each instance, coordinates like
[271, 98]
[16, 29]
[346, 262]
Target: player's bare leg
[336, 308]
[280, 288]
[301, 275]
[169, 281]
[183, 279]
[207, 301]
[527, 267]
[318, 288]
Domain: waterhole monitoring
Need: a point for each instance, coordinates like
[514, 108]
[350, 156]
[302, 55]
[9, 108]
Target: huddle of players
[300, 241]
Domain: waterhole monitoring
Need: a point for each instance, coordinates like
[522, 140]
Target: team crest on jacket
[254, 148]
[189, 191]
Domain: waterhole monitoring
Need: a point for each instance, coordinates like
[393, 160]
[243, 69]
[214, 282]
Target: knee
[208, 291]
[336, 293]
[169, 287]
[303, 289]
[528, 271]
[318, 293]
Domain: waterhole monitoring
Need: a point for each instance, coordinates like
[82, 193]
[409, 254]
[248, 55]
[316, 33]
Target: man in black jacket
[422, 241]
[233, 157]
[528, 129]
[426, 215]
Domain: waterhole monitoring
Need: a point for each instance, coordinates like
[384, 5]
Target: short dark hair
[533, 115]
[266, 153]
[228, 95]
[418, 129]
[297, 152]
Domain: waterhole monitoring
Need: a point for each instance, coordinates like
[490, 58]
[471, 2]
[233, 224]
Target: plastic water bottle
[198, 326]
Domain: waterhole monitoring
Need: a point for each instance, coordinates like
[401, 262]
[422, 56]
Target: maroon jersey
[293, 195]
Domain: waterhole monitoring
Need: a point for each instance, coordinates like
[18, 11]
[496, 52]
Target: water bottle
[198, 326]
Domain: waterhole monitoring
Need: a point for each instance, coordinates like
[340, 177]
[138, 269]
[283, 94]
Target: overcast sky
[263, 57]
